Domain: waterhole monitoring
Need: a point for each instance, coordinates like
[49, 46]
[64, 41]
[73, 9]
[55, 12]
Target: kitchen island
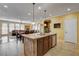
[37, 44]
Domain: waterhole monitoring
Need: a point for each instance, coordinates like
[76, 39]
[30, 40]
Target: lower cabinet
[50, 42]
[28, 47]
[45, 43]
[40, 47]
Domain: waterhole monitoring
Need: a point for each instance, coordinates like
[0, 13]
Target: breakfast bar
[37, 44]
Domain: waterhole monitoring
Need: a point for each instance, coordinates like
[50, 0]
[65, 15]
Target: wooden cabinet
[45, 44]
[27, 47]
[50, 42]
[38, 47]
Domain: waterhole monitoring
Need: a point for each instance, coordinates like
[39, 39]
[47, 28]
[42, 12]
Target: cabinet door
[50, 42]
[40, 47]
[45, 45]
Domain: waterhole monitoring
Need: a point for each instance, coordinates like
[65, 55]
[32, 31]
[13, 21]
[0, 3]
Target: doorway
[47, 26]
[70, 30]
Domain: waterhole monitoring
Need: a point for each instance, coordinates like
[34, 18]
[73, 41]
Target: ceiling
[24, 11]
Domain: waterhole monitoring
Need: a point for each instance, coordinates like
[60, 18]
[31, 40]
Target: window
[17, 26]
[11, 27]
[4, 28]
[36, 27]
[22, 27]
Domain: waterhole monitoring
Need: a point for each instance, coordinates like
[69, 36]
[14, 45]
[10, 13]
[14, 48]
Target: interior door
[70, 30]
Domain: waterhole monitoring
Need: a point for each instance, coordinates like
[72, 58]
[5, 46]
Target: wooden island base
[38, 45]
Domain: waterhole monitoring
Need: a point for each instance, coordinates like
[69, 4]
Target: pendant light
[33, 12]
[33, 17]
[45, 12]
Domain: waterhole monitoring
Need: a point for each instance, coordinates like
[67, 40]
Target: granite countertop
[37, 35]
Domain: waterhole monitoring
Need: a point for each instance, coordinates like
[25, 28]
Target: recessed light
[29, 13]
[68, 9]
[39, 8]
[50, 14]
[5, 6]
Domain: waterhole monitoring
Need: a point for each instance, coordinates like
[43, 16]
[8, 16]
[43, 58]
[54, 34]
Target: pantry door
[70, 30]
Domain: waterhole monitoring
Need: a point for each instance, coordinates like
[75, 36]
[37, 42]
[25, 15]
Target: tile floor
[12, 48]
[64, 49]
[15, 48]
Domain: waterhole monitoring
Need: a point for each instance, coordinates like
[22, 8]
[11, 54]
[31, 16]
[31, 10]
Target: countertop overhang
[37, 35]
